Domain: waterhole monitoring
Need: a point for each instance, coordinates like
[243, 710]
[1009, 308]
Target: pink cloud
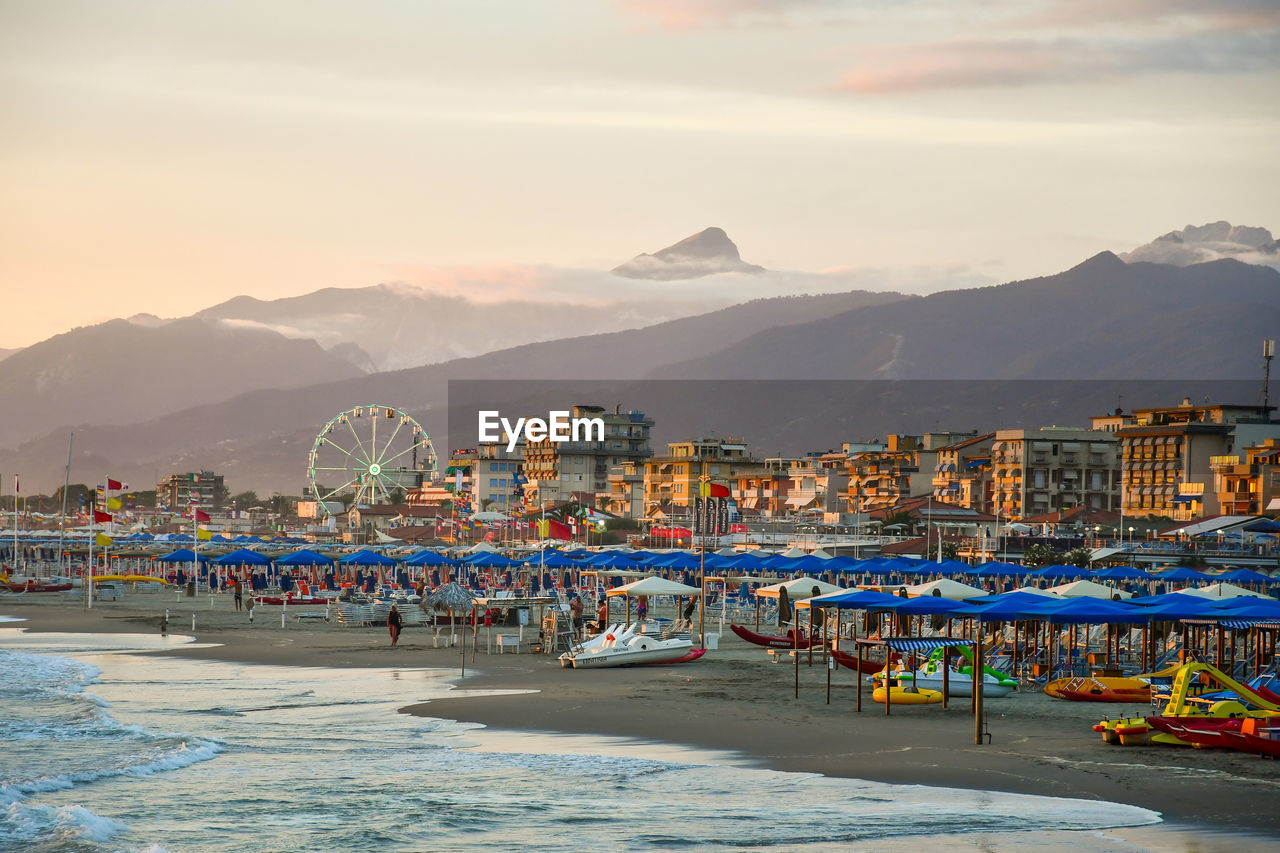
[969, 63]
[701, 14]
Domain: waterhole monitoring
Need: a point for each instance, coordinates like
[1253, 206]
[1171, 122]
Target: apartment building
[1053, 468]
[203, 488]
[962, 474]
[671, 481]
[1248, 483]
[497, 478]
[560, 470]
[625, 497]
[1167, 453]
[879, 479]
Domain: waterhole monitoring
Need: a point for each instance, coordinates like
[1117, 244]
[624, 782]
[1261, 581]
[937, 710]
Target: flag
[201, 516]
[114, 503]
[102, 517]
[202, 534]
[104, 541]
[16, 490]
[714, 490]
[115, 485]
[550, 529]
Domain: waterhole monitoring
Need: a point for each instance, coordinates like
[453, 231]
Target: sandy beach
[733, 700]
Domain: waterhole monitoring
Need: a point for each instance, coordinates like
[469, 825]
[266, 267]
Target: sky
[161, 157]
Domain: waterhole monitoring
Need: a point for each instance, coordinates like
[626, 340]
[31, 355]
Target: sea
[106, 748]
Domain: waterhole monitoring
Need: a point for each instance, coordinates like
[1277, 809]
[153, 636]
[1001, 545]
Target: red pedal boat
[772, 641]
[848, 661]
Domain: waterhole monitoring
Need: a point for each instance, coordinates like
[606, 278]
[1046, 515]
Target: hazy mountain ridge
[113, 372]
[261, 438]
[399, 326]
[1102, 318]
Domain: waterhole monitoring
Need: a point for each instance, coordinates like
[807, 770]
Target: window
[493, 482]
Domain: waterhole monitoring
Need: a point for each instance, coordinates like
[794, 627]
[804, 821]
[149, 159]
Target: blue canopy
[1240, 602]
[488, 559]
[1261, 610]
[1007, 606]
[927, 605]
[305, 557]
[997, 569]
[1092, 611]
[367, 558]
[243, 557]
[551, 560]
[856, 599]
[1247, 576]
[1181, 574]
[182, 555]
[1058, 572]
[1121, 573]
[427, 557]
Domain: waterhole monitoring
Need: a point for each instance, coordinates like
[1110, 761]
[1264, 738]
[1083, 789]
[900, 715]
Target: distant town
[1193, 482]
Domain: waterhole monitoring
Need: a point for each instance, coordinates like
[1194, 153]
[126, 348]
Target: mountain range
[255, 417]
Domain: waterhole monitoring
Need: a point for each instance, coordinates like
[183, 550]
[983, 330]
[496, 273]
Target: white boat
[626, 645]
[958, 683]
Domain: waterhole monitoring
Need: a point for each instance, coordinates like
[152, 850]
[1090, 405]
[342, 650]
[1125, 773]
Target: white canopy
[1089, 589]
[946, 587]
[653, 586]
[793, 552]
[798, 589]
[727, 552]
[1035, 590]
[481, 546]
[489, 515]
[1220, 590]
[821, 554]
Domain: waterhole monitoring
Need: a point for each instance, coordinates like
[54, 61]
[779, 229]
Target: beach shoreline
[734, 701]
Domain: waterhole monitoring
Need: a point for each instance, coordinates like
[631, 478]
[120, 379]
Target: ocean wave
[59, 825]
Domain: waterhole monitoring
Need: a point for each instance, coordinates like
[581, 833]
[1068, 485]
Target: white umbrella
[654, 586]
[1088, 589]
[1220, 590]
[798, 589]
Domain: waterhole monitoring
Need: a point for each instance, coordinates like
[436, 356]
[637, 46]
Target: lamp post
[1130, 535]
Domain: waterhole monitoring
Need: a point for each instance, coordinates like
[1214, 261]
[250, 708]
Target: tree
[1078, 556]
[901, 517]
[244, 500]
[950, 551]
[1039, 554]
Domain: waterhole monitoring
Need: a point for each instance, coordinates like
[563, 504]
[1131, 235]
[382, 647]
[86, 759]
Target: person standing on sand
[575, 611]
[235, 587]
[393, 624]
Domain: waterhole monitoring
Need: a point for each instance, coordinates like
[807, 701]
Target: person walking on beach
[642, 607]
[575, 611]
[393, 624]
[235, 588]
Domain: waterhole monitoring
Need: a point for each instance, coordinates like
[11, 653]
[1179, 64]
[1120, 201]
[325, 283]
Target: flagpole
[17, 490]
[93, 520]
[66, 484]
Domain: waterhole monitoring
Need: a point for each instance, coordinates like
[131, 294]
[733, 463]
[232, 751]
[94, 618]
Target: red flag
[201, 516]
[115, 485]
[715, 490]
[102, 517]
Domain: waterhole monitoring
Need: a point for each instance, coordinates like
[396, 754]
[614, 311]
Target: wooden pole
[975, 676]
[858, 679]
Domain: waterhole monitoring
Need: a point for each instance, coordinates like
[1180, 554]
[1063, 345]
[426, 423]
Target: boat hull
[632, 656]
[1099, 689]
[772, 641]
[906, 696]
[960, 685]
[848, 661]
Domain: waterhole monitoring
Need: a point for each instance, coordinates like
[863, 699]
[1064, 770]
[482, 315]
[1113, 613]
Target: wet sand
[736, 699]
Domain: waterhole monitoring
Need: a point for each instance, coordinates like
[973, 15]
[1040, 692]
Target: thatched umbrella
[452, 597]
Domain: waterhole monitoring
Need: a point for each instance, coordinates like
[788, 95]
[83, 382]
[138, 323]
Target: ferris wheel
[367, 453]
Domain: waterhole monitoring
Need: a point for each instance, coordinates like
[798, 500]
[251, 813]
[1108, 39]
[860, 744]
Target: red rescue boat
[772, 641]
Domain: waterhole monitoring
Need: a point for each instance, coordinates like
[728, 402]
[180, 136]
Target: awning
[1186, 499]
